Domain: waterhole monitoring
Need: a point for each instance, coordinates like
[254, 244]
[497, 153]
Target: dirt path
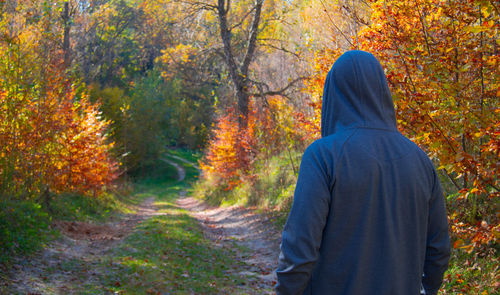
[75, 260]
[82, 245]
[250, 231]
[187, 162]
[181, 173]
[228, 225]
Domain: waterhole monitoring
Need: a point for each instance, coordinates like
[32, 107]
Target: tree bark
[239, 73]
[66, 37]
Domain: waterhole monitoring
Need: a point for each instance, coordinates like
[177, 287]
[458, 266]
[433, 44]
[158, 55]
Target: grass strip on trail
[168, 253]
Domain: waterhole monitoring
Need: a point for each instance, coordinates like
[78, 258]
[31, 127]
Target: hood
[356, 94]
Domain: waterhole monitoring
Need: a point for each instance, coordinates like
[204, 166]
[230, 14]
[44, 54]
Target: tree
[52, 138]
[107, 47]
[441, 61]
[239, 72]
[239, 33]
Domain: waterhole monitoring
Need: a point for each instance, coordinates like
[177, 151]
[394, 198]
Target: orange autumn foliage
[279, 126]
[52, 138]
[230, 151]
[52, 143]
[442, 63]
[272, 129]
[441, 60]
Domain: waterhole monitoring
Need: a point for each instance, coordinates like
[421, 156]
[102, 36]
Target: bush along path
[168, 245]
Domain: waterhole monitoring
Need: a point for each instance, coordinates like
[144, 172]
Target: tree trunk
[66, 38]
[238, 73]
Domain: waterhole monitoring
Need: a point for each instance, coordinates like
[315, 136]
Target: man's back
[368, 210]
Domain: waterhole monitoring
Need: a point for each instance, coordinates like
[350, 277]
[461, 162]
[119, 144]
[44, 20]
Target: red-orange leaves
[441, 61]
[272, 128]
[230, 150]
[442, 65]
[51, 137]
[52, 142]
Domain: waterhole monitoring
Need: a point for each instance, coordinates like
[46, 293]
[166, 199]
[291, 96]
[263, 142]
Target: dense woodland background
[93, 92]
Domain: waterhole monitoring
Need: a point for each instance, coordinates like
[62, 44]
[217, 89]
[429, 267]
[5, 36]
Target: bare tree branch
[281, 91]
[198, 5]
[334, 24]
[355, 16]
[281, 48]
[252, 42]
[242, 19]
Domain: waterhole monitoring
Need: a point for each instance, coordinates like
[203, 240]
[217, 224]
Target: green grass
[168, 254]
[469, 273]
[72, 207]
[191, 169]
[271, 186]
[24, 227]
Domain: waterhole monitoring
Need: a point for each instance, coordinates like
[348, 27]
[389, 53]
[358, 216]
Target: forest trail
[186, 162]
[52, 271]
[181, 172]
[257, 241]
[188, 241]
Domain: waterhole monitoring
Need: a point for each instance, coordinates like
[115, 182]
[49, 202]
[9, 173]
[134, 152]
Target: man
[368, 215]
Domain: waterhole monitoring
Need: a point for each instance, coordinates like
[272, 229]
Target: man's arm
[303, 231]
[437, 252]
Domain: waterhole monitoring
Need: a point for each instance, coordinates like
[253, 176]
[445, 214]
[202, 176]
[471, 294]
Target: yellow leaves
[177, 56]
[486, 10]
[478, 29]
[496, 232]
[185, 52]
[439, 12]
[492, 61]
[124, 108]
[377, 12]
[474, 190]
[458, 243]
[489, 24]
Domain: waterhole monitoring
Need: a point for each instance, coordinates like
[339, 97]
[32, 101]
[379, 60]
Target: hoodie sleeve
[303, 231]
[438, 242]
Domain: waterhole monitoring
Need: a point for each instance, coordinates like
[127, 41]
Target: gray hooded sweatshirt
[368, 214]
